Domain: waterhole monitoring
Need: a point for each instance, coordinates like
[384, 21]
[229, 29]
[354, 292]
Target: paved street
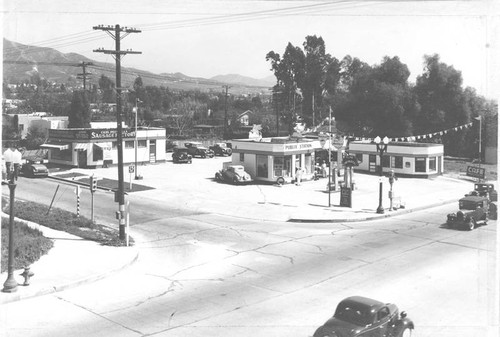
[216, 274]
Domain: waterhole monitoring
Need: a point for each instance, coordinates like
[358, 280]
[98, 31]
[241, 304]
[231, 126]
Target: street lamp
[381, 148]
[12, 162]
[137, 100]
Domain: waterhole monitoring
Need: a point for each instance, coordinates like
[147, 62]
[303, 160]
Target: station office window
[397, 162]
[386, 161]
[420, 164]
[432, 164]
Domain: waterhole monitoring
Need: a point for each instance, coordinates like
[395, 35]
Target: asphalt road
[202, 274]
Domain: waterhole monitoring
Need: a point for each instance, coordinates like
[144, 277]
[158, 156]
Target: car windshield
[355, 313]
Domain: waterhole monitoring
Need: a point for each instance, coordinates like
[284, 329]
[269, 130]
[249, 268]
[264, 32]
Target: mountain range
[21, 61]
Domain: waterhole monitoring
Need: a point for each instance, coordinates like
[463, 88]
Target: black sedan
[34, 170]
[360, 316]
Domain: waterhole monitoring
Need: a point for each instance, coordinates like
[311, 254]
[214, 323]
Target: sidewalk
[305, 203]
[90, 262]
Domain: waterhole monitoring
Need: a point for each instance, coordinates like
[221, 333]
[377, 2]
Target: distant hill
[21, 61]
[243, 80]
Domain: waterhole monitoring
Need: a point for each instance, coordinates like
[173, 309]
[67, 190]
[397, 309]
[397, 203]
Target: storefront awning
[104, 146]
[55, 146]
[80, 146]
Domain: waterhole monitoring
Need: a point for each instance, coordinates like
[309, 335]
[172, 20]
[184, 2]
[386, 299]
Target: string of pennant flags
[424, 136]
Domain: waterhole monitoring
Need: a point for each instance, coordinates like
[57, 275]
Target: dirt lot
[458, 168]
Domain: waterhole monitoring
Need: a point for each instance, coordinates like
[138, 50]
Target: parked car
[361, 316]
[196, 149]
[181, 155]
[221, 149]
[473, 209]
[485, 190]
[34, 170]
[234, 174]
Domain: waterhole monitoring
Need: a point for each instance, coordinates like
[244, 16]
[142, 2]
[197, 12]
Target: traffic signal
[93, 184]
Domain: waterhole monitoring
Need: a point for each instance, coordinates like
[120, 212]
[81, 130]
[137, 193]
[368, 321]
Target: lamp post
[381, 148]
[12, 162]
[135, 143]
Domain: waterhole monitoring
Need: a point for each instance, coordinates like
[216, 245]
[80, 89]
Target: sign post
[131, 170]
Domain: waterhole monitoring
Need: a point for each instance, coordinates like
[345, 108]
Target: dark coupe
[196, 149]
[221, 149]
[358, 316]
[473, 209]
[181, 155]
[33, 170]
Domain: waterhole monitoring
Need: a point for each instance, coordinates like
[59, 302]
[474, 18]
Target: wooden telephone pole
[116, 33]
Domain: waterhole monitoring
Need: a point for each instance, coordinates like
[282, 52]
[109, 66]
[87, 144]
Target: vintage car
[221, 149]
[473, 209]
[485, 190]
[34, 170]
[196, 149]
[234, 174]
[181, 155]
[361, 316]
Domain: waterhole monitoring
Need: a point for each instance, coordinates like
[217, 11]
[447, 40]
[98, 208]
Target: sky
[205, 38]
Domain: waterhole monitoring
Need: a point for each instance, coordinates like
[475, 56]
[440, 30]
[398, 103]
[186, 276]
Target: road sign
[476, 172]
[338, 141]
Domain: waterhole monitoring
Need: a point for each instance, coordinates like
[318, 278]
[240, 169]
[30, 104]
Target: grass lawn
[30, 244]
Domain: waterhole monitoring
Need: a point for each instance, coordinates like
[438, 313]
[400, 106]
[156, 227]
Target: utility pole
[115, 33]
[225, 110]
[84, 74]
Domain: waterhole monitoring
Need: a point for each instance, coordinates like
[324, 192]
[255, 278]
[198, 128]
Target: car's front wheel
[471, 224]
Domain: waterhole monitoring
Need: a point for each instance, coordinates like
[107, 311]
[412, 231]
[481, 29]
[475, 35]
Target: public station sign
[476, 172]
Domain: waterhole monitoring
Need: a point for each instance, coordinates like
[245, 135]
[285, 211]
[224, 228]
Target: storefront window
[129, 144]
[386, 161]
[262, 169]
[309, 163]
[114, 145]
[97, 153]
[397, 162]
[278, 166]
[142, 143]
[287, 172]
[420, 164]
[242, 157]
[359, 157]
[432, 164]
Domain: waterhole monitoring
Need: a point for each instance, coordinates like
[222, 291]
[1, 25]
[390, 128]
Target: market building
[275, 159]
[409, 159]
[96, 147]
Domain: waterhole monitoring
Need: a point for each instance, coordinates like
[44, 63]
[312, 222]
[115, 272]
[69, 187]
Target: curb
[375, 217]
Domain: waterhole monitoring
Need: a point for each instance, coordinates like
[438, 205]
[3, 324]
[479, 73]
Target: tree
[79, 112]
[443, 103]
[107, 87]
[34, 138]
